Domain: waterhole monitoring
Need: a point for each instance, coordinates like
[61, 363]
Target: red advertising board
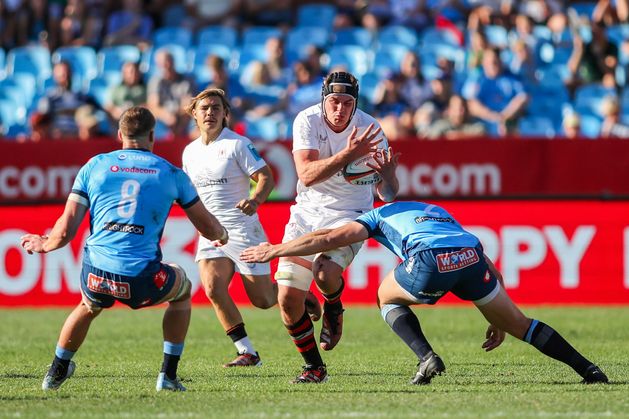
[548, 251]
[43, 172]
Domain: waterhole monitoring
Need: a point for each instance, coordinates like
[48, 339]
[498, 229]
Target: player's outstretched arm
[62, 233]
[206, 223]
[493, 336]
[386, 166]
[264, 186]
[308, 244]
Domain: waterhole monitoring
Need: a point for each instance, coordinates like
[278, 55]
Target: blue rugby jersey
[405, 227]
[129, 193]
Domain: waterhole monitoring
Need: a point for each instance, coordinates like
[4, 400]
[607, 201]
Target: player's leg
[394, 302]
[505, 315]
[294, 281]
[175, 327]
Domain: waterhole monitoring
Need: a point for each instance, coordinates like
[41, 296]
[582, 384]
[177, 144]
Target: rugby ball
[358, 173]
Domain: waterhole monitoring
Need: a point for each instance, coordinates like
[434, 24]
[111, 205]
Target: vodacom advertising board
[548, 251]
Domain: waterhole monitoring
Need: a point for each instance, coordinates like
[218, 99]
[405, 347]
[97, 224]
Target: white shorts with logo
[241, 236]
[302, 221]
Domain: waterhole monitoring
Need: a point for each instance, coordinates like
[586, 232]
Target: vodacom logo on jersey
[137, 170]
[115, 168]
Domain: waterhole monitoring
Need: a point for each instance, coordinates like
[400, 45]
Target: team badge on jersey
[449, 262]
[253, 151]
[160, 279]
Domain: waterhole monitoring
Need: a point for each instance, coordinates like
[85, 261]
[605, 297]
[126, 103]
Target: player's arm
[264, 186]
[206, 223]
[386, 166]
[311, 170]
[63, 231]
[493, 336]
[308, 244]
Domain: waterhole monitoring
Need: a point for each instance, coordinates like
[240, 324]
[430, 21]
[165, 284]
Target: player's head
[136, 124]
[209, 107]
[339, 98]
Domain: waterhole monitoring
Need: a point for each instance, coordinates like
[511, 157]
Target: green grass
[118, 364]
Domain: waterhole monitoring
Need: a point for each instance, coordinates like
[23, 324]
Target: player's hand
[367, 142]
[494, 337]
[248, 206]
[385, 163]
[223, 240]
[33, 243]
[257, 254]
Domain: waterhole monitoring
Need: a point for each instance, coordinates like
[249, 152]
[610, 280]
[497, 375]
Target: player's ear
[151, 136]
[119, 136]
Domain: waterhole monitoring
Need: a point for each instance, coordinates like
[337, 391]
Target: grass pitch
[118, 365]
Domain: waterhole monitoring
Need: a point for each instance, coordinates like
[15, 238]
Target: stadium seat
[181, 56]
[397, 35]
[433, 36]
[590, 126]
[300, 38]
[387, 59]
[353, 36]
[99, 89]
[618, 33]
[218, 35]
[9, 118]
[536, 126]
[368, 84]
[200, 70]
[174, 15]
[355, 59]
[497, 36]
[588, 98]
[2, 63]
[246, 56]
[33, 59]
[111, 59]
[316, 15]
[172, 35]
[258, 35]
[267, 129]
[82, 59]
[26, 83]
[583, 9]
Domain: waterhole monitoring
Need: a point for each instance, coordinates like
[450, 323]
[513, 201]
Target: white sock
[244, 345]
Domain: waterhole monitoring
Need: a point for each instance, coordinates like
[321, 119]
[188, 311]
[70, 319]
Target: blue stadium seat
[172, 35]
[300, 38]
[267, 129]
[100, 90]
[536, 126]
[388, 59]
[218, 35]
[618, 33]
[353, 36]
[199, 69]
[368, 84]
[2, 63]
[33, 59]
[258, 35]
[111, 59]
[584, 9]
[397, 34]
[174, 15]
[355, 59]
[245, 56]
[588, 98]
[26, 83]
[316, 15]
[9, 118]
[497, 36]
[82, 60]
[432, 37]
[590, 126]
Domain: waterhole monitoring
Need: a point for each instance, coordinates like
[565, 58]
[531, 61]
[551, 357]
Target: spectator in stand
[129, 26]
[9, 25]
[63, 113]
[203, 13]
[497, 98]
[130, 92]
[313, 56]
[168, 93]
[411, 13]
[612, 127]
[611, 12]
[456, 124]
[478, 44]
[276, 63]
[524, 30]
[413, 88]
[31, 23]
[523, 64]
[571, 126]
[305, 91]
[83, 22]
[387, 97]
[268, 12]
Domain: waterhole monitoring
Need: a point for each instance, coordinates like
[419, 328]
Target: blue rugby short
[429, 274]
[103, 288]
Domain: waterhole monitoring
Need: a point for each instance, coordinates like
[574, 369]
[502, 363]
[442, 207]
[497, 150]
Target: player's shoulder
[311, 113]
[232, 136]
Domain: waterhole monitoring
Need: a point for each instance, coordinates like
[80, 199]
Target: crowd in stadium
[427, 68]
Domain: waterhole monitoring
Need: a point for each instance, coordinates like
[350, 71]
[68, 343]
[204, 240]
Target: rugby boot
[332, 328]
[427, 369]
[594, 375]
[57, 376]
[312, 375]
[313, 307]
[165, 383]
[245, 360]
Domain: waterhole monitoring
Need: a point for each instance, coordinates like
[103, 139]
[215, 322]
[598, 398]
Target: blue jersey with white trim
[129, 193]
[405, 227]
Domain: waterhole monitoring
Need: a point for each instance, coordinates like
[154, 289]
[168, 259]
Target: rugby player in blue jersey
[128, 194]
[438, 256]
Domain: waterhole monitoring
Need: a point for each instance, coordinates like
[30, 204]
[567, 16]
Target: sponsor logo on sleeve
[449, 262]
[253, 151]
[107, 286]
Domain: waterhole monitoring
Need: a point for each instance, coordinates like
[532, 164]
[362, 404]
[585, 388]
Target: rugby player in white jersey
[326, 137]
[221, 164]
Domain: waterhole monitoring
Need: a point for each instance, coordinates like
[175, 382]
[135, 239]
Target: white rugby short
[302, 221]
[241, 236]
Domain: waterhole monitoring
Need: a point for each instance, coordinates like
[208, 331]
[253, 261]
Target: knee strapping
[385, 309]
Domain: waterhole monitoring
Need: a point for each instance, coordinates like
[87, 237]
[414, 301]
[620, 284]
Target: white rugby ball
[358, 173]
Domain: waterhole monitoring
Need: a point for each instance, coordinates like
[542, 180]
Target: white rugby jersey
[221, 171]
[311, 132]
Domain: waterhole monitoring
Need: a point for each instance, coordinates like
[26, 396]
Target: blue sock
[172, 354]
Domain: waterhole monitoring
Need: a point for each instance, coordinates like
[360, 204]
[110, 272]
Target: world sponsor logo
[123, 228]
[107, 286]
[136, 170]
[453, 261]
